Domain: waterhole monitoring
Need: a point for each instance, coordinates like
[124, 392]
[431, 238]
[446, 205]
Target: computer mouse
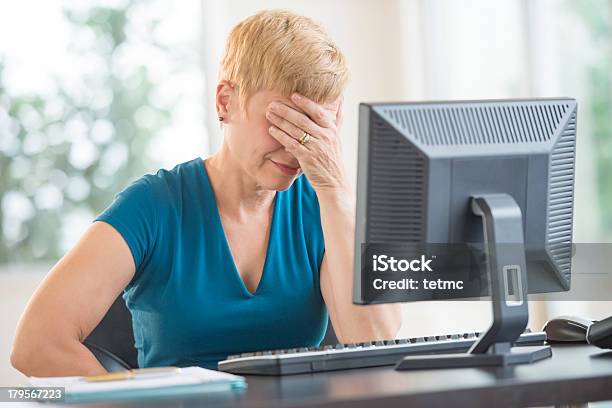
[567, 329]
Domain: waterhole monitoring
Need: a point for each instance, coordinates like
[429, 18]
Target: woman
[246, 250]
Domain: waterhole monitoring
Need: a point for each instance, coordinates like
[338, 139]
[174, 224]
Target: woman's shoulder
[171, 181]
[164, 187]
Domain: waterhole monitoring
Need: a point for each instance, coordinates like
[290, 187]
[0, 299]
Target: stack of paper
[187, 381]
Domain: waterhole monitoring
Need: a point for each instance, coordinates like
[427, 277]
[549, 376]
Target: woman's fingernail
[270, 129]
[295, 97]
[274, 106]
[269, 115]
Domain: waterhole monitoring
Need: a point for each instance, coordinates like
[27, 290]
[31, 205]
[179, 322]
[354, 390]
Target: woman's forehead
[266, 97]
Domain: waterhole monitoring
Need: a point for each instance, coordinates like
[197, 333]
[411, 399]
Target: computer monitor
[499, 173]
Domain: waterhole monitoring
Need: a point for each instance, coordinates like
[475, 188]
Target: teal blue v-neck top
[188, 302]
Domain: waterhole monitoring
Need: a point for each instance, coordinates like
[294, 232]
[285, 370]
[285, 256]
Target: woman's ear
[225, 93]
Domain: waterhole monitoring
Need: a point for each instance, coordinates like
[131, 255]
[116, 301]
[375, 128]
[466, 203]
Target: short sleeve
[134, 214]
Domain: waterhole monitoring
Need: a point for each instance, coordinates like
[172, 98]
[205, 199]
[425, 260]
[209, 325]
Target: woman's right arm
[69, 303]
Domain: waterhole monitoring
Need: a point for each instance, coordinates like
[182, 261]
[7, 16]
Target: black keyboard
[355, 355]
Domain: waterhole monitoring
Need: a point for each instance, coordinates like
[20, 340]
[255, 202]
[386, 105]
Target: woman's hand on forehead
[310, 132]
[331, 107]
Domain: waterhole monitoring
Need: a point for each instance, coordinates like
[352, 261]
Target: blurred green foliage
[70, 153]
[597, 18]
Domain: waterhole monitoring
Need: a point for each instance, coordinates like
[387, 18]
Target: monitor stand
[506, 267]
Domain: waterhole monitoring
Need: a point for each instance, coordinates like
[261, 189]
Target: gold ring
[304, 139]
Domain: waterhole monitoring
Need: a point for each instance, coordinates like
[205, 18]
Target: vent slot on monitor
[560, 199]
[478, 124]
[396, 185]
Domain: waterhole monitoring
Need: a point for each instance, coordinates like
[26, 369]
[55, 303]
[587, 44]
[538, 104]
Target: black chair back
[112, 341]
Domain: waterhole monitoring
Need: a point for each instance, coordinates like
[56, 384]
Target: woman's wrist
[338, 196]
[335, 187]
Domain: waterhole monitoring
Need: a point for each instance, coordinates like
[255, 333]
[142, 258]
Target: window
[92, 96]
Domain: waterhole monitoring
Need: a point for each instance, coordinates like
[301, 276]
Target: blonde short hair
[277, 50]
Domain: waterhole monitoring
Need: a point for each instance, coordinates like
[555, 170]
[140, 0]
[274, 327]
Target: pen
[134, 374]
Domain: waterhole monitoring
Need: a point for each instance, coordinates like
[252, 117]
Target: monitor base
[516, 355]
[505, 247]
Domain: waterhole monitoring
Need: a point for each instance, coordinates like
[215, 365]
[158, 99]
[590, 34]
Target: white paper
[186, 376]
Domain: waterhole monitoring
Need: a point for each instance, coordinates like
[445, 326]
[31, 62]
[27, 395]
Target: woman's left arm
[320, 159]
[352, 323]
